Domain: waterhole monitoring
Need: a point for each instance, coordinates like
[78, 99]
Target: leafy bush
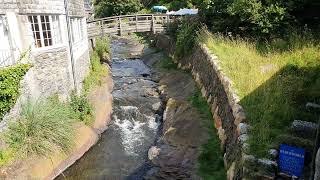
[44, 127]
[82, 108]
[186, 38]
[259, 19]
[9, 86]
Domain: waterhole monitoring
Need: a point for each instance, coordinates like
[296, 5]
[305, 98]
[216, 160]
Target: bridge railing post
[120, 26]
[153, 24]
[136, 23]
[101, 28]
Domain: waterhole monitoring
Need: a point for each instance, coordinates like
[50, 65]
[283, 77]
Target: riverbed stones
[153, 152]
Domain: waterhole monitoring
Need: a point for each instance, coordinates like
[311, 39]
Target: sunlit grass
[274, 82]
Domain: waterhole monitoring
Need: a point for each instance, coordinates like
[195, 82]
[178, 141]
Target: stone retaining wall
[228, 115]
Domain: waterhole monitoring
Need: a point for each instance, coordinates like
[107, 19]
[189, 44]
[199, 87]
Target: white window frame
[54, 29]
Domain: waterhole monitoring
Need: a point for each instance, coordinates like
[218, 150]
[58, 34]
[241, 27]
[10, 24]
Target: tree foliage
[259, 18]
[105, 8]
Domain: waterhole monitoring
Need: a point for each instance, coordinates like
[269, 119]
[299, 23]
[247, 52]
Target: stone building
[58, 51]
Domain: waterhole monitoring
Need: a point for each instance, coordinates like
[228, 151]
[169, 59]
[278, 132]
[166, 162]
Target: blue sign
[291, 160]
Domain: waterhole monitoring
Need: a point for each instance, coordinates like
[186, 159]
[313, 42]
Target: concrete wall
[228, 115]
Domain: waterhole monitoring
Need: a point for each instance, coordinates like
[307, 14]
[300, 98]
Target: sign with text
[291, 160]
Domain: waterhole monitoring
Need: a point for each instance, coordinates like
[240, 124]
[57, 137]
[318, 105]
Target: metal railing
[129, 23]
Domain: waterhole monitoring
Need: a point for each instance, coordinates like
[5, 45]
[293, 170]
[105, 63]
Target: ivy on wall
[10, 85]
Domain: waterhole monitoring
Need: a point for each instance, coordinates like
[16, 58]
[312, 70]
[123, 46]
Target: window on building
[3, 33]
[46, 30]
[77, 29]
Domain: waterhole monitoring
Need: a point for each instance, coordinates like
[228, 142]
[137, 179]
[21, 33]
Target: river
[121, 152]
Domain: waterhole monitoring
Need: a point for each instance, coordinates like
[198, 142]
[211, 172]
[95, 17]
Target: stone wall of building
[228, 115]
[82, 65]
[76, 7]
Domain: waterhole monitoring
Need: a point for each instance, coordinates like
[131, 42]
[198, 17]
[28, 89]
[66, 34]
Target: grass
[274, 82]
[44, 127]
[210, 161]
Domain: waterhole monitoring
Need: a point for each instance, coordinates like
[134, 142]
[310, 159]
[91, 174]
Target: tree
[106, 8]
[259, 18]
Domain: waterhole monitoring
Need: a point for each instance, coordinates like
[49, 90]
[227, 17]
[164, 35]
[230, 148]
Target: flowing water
[121, 152]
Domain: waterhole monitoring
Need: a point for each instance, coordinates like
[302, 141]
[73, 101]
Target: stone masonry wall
[228, 115]
[82, 65]
[76, 7]
[50, 74]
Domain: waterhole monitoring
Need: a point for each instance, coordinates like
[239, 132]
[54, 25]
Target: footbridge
[129, 23]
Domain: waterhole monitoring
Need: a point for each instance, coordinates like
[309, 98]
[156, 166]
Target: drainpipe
[70, 44]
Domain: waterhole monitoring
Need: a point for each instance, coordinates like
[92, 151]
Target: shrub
[44, 127]
[82, 108]
[9, 86]
[186, 36]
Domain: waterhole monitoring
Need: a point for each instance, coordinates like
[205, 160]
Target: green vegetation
[43, 127]
[210, 160]
[185, 36]
[167, 64]
[260, 19]
[106, 8]
[82, 108]
[103, 48]
[97, 70]
[10, 85]
[274, 82]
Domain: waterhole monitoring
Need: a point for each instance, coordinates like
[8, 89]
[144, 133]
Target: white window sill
[47, 48]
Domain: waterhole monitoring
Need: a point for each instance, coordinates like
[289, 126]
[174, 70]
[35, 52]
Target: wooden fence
[129, 23]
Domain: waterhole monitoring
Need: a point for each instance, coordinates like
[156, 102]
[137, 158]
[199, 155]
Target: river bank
[85, 137]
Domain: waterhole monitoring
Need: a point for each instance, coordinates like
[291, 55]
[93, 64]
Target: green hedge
[9, 86]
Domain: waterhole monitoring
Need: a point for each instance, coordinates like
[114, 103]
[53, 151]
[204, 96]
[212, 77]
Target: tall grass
[274, 81]
[44, 127]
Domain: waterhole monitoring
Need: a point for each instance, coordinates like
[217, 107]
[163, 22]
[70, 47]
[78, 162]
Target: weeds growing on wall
[103, 48]
[82, 108]
[10, 85]
[97, 69]
[210, 160]
[44, 127]
[274, 82]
